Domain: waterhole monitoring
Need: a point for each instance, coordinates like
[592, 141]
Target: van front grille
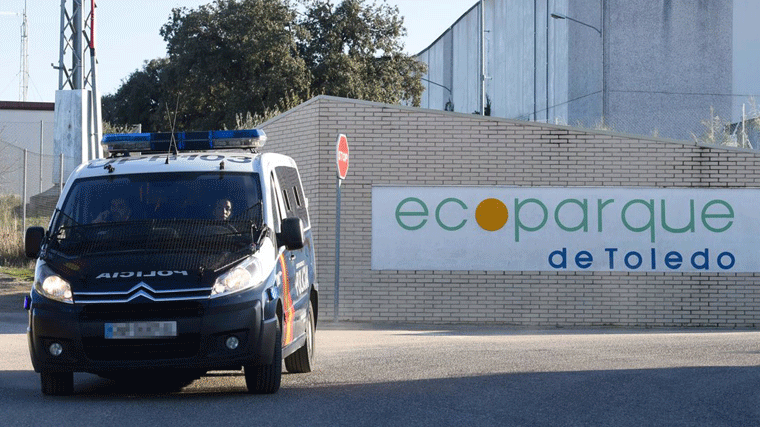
[147, 349]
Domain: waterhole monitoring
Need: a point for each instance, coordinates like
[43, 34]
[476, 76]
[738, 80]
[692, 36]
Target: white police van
[176, 255]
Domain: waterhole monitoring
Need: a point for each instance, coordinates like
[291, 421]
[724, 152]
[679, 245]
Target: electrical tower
[77, 102]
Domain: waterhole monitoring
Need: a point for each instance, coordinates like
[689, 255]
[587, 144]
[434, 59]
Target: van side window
[275, 206]
[298, 198]
[292, 192]
[286, 199]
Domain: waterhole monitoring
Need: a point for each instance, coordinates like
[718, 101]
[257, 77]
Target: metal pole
[482, 59]
[603, 33]
[60, 182]
[42, 133]
[97, 128]
[23, 193]
[547, 61]
[337, 253]
[535, 61]
[61, 59]
[744, 119]
[77, 51]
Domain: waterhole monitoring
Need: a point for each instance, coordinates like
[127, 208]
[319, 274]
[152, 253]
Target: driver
[222, 209]
[119, 211]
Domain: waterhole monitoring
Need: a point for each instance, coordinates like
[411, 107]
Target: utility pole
[78, 125]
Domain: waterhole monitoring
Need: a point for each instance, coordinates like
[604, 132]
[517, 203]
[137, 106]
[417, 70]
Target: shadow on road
[14, 322]
[710, 396]
[12, 302]
[497, 329]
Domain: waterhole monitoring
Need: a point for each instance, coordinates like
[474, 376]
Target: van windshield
[187, 212]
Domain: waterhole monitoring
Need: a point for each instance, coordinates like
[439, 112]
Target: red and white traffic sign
[341, 156]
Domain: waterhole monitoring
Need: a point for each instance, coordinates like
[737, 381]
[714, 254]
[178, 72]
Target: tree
[139, 99]
[355, 51]
[231, 57]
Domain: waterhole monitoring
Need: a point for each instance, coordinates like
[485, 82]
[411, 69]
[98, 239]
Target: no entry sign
[341, 156]
[341, 159]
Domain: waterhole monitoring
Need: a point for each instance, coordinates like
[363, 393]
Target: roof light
[123, 143]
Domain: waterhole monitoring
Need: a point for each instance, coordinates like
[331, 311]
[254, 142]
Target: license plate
[140, 330]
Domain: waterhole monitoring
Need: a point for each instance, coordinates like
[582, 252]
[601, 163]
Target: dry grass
[12, 233]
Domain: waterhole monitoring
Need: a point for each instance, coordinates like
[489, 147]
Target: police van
[178, 254]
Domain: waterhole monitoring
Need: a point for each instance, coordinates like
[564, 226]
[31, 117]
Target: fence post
[42, 135]
[23, 194]
[744, 130]
[60, 182]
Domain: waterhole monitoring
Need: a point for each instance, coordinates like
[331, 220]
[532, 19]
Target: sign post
[341, 160]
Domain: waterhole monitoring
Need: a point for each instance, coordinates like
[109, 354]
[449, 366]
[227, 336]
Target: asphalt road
[410, 375]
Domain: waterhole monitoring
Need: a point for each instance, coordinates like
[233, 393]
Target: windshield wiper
[245, 215]
[61, 221]
[70, 218]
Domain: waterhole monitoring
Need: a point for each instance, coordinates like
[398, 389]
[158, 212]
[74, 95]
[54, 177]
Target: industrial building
[661, 68]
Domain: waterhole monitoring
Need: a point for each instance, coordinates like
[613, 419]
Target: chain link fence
[30, 183]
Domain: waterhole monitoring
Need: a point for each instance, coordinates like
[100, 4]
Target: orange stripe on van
[289, 309]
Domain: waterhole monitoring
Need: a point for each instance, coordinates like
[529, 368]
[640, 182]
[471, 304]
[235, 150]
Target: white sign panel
[566, 229]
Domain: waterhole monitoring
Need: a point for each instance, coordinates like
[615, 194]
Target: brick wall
[393, 145]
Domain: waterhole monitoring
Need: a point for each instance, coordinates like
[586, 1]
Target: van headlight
[52, 286]
[242, 277]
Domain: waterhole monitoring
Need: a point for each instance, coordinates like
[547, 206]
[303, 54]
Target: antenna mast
[77, 38]
[24, 72]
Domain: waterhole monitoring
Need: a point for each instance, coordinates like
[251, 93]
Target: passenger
[119, 211]
[222, 209]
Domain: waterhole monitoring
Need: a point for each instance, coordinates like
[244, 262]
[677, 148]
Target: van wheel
[303, 359]
[265, 379]
[57, 383]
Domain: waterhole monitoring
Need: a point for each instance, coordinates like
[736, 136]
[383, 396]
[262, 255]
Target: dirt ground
[12, 293]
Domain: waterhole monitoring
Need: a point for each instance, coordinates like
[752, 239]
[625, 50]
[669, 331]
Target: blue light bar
[161, 142]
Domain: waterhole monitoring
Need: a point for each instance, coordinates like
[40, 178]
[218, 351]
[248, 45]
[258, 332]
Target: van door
[293, 202]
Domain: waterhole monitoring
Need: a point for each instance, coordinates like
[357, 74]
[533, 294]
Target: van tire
[57, 383]
[302, 360]
[265, 378]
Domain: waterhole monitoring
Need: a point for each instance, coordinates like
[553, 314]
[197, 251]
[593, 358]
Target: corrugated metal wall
[663, 63]
[465, 63]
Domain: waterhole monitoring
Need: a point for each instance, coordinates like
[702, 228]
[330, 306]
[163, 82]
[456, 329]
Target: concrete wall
[746, 40]
[26, 126]
[392, 145]
[20, 125]
[668, 62]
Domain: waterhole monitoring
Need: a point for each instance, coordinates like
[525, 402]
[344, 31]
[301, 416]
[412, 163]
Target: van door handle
[292, 257]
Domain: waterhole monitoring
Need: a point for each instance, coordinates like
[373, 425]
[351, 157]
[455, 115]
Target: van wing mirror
[291, 234]
[33, 241]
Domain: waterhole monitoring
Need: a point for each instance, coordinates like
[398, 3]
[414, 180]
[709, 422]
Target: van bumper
[202, 329]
